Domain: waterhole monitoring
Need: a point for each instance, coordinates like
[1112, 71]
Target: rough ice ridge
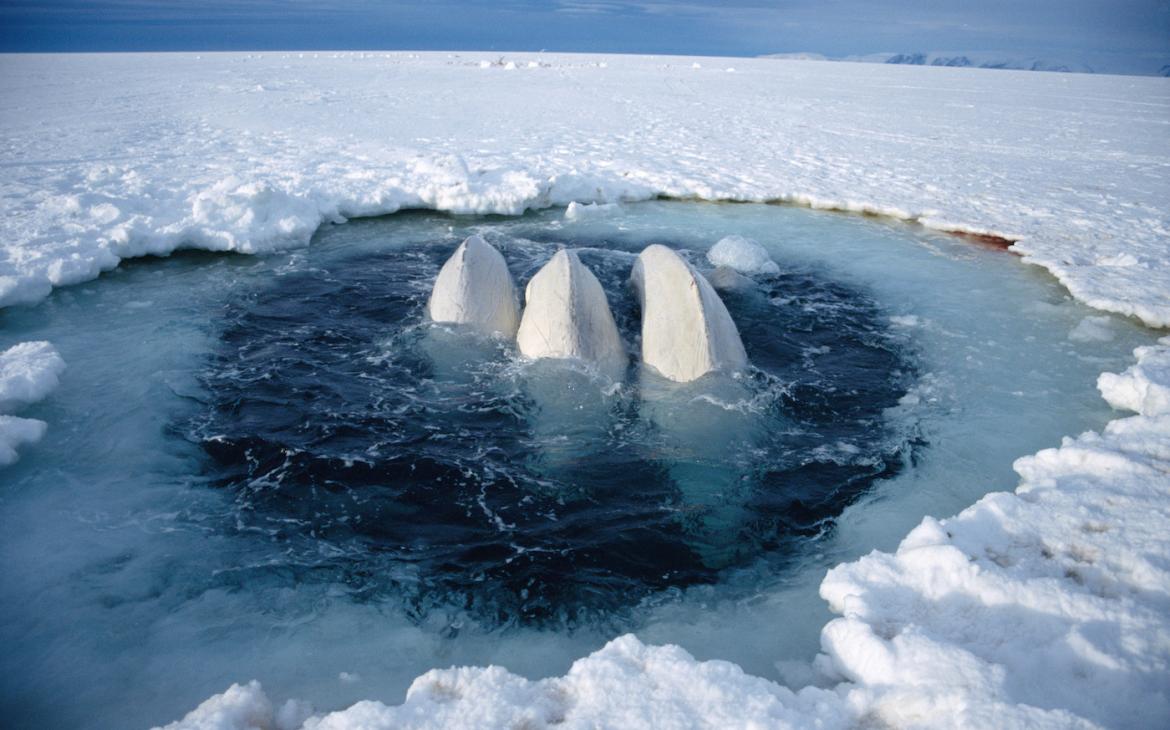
[29, 371]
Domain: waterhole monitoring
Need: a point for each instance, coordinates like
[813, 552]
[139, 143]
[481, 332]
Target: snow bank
[236, 153]
[567, 316]
[29, 371]
[687, 332]
[743, 255]
[624, 684]
[475, 288]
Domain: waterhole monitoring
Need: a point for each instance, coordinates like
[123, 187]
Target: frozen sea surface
[272, 468]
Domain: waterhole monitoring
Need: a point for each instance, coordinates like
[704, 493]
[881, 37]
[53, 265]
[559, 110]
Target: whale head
[475, 288]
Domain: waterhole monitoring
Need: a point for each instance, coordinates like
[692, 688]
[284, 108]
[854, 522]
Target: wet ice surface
[270, 468]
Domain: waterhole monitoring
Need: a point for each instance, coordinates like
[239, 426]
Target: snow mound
[686, 330]
[1054, 597]
[1143, 387]
[624, 684]
[743, 255]
[475, 288]
[567, 316]
[29, 371]
[244, 707]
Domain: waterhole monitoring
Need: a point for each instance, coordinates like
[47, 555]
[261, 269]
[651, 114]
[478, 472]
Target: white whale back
[475, 288]
[686, 329]
[567, 316]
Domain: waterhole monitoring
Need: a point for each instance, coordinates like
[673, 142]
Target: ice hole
[274, 467]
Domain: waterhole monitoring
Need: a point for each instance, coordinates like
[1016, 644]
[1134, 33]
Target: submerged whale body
[686, 329]
[567, 316]
[475, 288]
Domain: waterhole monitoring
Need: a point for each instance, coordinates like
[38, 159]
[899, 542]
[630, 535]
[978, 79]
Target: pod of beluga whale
[687, 331]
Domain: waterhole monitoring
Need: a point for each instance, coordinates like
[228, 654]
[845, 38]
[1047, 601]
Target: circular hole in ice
[426, 465]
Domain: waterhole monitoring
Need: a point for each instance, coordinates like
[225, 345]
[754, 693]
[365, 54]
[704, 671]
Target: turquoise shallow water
[271, 468]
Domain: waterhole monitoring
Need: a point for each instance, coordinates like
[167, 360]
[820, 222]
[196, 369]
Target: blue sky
[1125, 29]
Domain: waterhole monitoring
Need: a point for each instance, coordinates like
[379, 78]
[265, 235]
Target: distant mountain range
[989, 59]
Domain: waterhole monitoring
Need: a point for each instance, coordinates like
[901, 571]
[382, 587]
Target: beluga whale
[567, 317]
[577, 357]
[687, 331]
[475, 288]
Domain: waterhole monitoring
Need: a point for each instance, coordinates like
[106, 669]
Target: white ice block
[743, 255]
[686, 330]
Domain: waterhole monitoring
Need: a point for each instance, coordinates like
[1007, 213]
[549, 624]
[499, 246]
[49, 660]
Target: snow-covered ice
[1145, 386]
[742, 255]
[29, 371]
[251, 153]
[1043, 607]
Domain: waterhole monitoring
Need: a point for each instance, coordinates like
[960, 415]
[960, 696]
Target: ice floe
[29, 371]
[1144, 387]
[743, 255]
